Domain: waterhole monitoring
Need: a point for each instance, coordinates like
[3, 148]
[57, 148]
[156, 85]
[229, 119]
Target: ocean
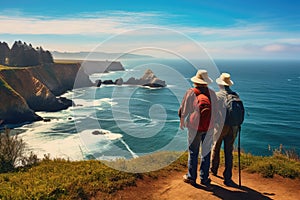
[142, 121]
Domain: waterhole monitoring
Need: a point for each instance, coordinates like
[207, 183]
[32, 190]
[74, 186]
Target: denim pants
[195, 138]
[228, 135]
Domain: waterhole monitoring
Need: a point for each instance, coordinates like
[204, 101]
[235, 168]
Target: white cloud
[269, 50]
[274, 47]
[241, 38]
[55, 26]
[234, 31]
[115, 22]
[87, 24]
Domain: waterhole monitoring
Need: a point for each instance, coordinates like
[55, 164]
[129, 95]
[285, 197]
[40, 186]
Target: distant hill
[97, 55]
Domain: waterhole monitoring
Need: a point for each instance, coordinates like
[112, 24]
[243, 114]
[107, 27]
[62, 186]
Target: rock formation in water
[148, 79]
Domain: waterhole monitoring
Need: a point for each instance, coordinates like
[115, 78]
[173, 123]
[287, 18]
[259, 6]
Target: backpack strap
[196, 91]
[227, 94]
[231, 93]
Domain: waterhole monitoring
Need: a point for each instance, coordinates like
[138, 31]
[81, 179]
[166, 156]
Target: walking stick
[239, 154]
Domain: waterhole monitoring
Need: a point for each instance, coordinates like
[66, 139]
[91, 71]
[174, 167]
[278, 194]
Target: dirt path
[253, 187]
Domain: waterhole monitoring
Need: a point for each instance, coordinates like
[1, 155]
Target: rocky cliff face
[25, 90]
[13, 107]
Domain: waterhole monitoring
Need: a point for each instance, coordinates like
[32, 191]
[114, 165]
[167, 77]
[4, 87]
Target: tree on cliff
[16, 56]
[4, 53]
[22, 55]
[44, 56]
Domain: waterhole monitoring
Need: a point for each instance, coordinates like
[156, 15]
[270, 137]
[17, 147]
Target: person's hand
[182, 123]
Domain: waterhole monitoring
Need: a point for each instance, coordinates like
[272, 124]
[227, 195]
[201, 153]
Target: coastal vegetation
[13, 153]
[55, 178]
[22, 54]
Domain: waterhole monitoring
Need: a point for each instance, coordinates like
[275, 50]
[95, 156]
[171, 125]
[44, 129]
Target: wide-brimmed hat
[224, 79]
[201, 77]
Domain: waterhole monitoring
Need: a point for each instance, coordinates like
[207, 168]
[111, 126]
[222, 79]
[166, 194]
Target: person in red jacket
[197, 134]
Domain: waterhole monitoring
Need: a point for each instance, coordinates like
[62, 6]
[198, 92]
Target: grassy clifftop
[62, 179]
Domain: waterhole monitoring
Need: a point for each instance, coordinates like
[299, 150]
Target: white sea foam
[44, 138]
[132, 98]
[105, 100]
[73, 94]
[131, 70]
[102, 141]
[134, 155]
[107, 135]
[61, 145]
[82, 103]
[91, 141]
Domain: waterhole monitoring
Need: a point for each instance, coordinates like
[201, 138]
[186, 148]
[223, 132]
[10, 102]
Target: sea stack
[148, 79]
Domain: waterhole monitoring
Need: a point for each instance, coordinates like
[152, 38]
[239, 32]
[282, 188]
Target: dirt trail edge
[254, 186]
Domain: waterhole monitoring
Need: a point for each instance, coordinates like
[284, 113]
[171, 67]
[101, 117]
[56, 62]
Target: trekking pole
[239, 154]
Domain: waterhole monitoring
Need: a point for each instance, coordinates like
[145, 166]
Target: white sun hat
[201, 77]
[224, 79]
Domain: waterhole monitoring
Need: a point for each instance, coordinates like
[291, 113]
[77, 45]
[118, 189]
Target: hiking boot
[206, 182]
[186, 179]
[230, 183]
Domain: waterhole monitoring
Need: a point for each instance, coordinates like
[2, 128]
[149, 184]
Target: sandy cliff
[25, 90]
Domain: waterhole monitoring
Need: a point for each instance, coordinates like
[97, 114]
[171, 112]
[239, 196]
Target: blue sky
[225, 29]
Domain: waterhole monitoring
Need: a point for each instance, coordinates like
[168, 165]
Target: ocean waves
[141, 121]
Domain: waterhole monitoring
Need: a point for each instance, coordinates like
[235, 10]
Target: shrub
[283, 152]
[12, 152]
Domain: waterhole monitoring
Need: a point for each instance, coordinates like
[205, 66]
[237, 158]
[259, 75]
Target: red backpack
[200, 119]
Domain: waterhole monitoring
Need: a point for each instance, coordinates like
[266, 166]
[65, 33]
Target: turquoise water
[143, 120]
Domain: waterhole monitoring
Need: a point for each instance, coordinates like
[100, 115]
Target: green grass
[3, 67]
[62, 61]
[63, 179]
[279, 163]
[268, 166]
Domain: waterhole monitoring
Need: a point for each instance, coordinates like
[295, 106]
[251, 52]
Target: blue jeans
[194, 145]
